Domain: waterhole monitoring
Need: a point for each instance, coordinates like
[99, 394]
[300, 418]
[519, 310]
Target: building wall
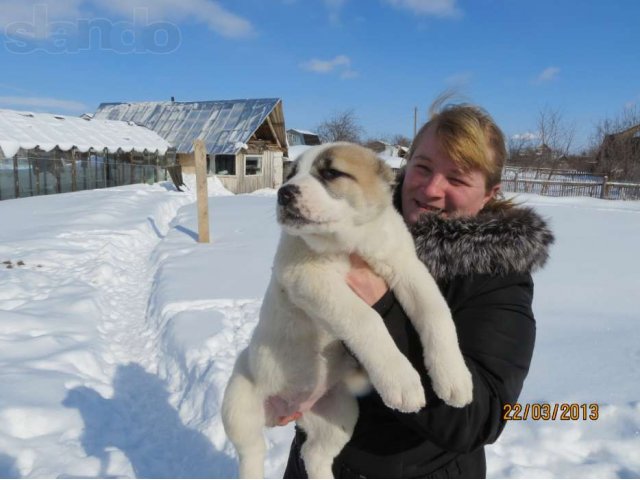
[294, 138]
[278, 169]
[188, 162]
[270, 176]
[36, 172]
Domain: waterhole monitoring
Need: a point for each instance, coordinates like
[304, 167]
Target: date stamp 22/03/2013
[550, 411]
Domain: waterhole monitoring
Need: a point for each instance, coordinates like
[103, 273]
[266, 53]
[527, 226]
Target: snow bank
[118, 332]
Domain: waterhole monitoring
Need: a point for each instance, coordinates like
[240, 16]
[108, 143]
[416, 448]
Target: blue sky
[380, 58]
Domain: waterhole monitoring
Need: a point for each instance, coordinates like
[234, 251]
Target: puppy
[337, 201]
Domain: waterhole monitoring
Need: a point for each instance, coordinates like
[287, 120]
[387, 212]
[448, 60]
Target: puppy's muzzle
[287, 194]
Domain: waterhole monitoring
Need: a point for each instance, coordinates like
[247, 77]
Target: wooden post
[57, 166]
[74, 178]
[201, 187]
[37, 172]
[30, 178]
[104, 168]
[16, 180]
[603, 190]
[132, 172]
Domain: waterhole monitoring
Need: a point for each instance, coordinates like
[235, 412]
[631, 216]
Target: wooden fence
[571, 188]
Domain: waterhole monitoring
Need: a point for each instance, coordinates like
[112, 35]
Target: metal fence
[32, 173]
[567, 184]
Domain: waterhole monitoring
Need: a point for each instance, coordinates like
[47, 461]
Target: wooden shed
[245, 139]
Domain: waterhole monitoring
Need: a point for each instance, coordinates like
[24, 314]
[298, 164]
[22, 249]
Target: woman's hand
[364, 282]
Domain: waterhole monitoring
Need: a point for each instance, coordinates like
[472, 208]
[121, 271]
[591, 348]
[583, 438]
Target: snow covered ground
[118, 332]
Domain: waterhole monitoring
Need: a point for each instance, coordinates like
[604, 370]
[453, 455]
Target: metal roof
[224, 125]
[47, 131]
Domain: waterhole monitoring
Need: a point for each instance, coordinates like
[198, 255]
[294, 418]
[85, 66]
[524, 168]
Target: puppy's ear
[385, 172]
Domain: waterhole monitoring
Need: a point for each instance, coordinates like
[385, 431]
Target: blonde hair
[469, 136]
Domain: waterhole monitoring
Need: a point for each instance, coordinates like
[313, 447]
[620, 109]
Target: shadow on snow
[8, 467]
[140, 422]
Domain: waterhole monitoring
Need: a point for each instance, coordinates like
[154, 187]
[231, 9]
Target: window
[225, 165]
[253, 165]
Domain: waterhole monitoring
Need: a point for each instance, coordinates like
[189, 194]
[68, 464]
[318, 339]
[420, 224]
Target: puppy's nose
[287, 193]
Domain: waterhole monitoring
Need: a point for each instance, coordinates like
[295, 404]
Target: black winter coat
[483, 267]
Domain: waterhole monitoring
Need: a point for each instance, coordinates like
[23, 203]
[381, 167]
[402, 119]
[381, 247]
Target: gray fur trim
[495, 242]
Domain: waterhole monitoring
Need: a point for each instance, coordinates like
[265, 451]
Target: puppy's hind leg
[329, 426]
[244, 418]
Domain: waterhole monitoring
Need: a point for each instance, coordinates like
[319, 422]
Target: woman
[481, 251]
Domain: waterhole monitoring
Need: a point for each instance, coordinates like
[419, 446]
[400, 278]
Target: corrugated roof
[303, 132]
[224, 125]
[47, 131]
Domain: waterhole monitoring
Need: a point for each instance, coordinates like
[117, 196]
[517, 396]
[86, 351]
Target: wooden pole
[74, 178]
[603, 190]
[415, 121]
[37, 173]
[16, 180]
[132, 172]
[57, 166]
[201, 186]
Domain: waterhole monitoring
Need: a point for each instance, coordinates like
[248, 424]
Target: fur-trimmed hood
[497, 241]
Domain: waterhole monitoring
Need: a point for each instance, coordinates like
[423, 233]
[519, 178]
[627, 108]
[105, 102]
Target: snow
[296, 150]
[118, 332]
[392, 161]
[47, 131]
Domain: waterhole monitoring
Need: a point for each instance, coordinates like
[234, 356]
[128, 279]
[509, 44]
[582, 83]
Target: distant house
[619, 154]
[43, 153]
[393, 155]
[537, 156]
[245, 139]
[387, 149]
[302, 137]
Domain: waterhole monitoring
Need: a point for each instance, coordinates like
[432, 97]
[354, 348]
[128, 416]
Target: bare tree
[399, 139]
[616, 145]
[521, 150]
[341, 127]
[374, 144]
[556, 137]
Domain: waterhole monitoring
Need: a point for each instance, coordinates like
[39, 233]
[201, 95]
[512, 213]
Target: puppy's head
[334, 186]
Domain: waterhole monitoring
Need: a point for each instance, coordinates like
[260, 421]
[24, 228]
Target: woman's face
[433, 182]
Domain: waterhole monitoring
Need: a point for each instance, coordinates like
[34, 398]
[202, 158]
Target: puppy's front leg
[326, 298]
[420, 297]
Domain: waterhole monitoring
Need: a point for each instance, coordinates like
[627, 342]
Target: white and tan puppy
[337, 201]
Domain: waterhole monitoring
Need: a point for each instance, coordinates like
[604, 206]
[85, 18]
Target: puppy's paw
[400, 387]
[453, 385]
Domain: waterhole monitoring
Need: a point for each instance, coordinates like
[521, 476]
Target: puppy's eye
[331, 174]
